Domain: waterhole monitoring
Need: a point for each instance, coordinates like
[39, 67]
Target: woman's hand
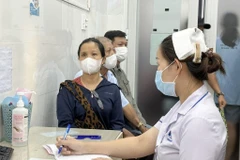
[143, 128]
[127, 133]
[221, 101]
[70, 146]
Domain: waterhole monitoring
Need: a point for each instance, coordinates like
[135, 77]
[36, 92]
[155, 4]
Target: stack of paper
[53, 150]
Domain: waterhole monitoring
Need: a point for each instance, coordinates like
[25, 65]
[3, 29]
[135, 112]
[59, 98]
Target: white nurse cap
[189, 42]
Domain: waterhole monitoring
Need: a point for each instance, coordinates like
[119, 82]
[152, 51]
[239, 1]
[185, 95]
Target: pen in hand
[64, 137]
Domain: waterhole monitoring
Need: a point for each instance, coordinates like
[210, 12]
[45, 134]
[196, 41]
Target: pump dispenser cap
[20, 102]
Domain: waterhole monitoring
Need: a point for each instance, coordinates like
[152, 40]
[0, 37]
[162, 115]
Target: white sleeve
[159, 123]
[200, 140]
[124, 100]
[112, 79]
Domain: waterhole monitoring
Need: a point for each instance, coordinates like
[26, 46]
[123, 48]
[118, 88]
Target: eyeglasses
[100, 104]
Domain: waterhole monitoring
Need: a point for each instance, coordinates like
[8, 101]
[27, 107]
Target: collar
[117, 68]
[109, 74]
[193, 99]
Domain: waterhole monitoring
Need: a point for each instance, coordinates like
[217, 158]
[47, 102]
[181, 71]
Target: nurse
[193, 128]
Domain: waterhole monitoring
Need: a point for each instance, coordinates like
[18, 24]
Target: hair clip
[210, 52]
[197, 55]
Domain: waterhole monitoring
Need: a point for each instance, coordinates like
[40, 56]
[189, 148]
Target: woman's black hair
[210, 62]
[94, 40]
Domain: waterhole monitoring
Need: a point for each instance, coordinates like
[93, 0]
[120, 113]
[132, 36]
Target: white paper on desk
[58, 133]
[53, 150]
[38, 159]
[5, 69]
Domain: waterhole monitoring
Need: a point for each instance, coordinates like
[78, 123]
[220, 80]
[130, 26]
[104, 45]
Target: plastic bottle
[20, 123]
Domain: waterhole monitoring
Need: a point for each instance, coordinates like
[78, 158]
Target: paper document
[53, 150]
[58, 133]
[38, 159]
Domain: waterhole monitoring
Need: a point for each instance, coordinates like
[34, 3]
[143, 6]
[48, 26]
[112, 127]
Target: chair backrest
[168, 103]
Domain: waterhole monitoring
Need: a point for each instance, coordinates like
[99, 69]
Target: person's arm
[64, 108]
[133, 147]
[117, 118]
[201, 140]
[212, 81]
[128, 110]
[131, 115]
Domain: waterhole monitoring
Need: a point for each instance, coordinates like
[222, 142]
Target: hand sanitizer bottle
[20, 123]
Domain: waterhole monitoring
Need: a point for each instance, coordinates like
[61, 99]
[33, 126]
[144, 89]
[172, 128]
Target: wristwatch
[139, 124]
[219, 93]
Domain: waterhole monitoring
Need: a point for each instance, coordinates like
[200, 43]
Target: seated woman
[90, 101]
[132, 120]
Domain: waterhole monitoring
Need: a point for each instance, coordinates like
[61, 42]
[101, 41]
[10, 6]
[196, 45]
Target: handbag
[91, 120]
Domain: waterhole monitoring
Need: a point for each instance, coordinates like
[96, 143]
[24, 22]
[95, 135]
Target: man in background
[119, 42]
[228, 47]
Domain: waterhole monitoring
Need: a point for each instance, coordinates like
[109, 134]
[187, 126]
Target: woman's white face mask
[121, 53]
[90, 65]
[111, 62]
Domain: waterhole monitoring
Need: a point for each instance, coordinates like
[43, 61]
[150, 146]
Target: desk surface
[39, 136]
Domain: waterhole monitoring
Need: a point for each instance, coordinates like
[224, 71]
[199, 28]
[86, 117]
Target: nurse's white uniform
[193, 130]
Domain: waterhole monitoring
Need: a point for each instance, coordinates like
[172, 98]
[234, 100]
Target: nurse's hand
[70, 146]
[221, 101]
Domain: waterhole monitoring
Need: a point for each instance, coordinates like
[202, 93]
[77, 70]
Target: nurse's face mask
[167, 88]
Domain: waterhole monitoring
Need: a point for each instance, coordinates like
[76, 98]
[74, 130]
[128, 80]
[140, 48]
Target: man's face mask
[167, 88]
[111, 62]
[121, 53]
[90, 65]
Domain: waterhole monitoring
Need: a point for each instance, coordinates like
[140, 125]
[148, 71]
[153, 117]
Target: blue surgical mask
[167, 88]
